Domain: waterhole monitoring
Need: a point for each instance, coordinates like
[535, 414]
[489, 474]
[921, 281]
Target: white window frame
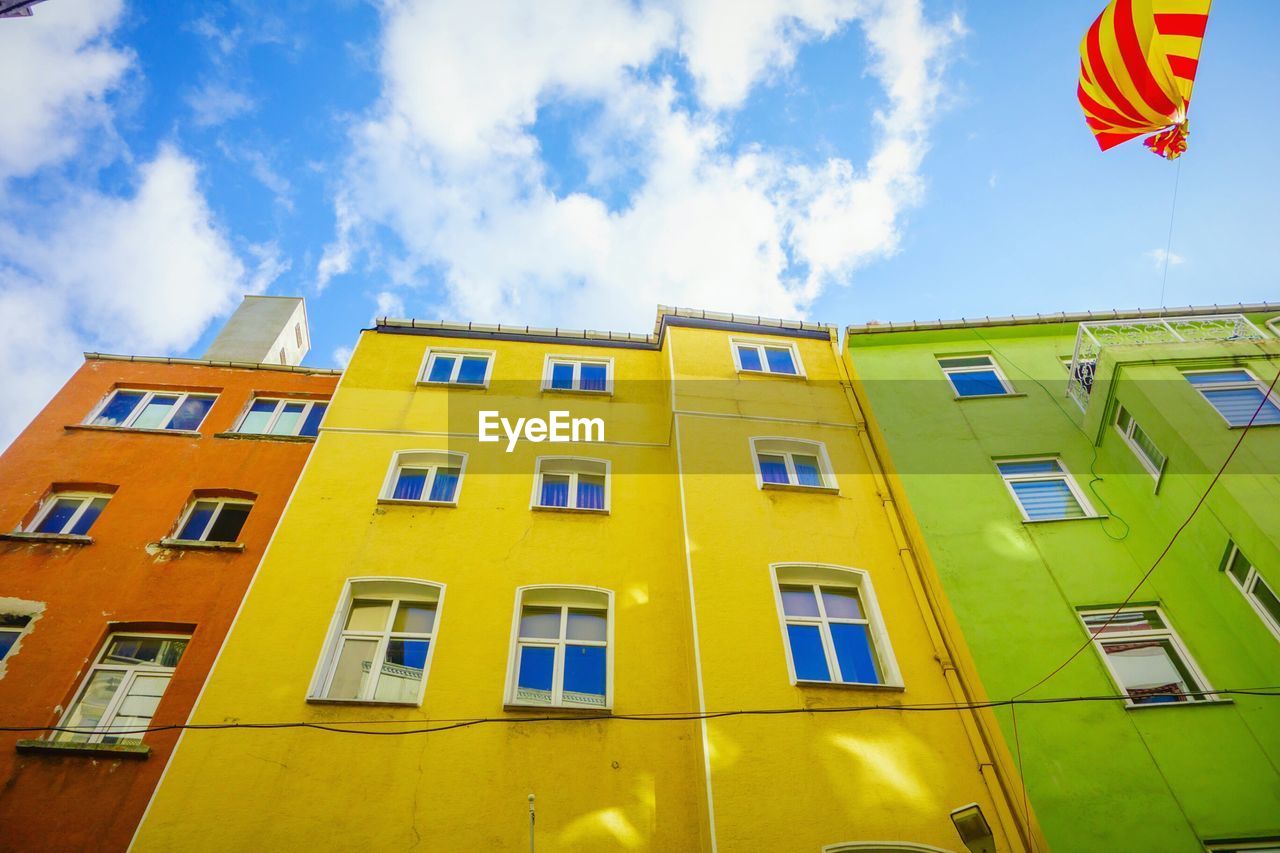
[132, 671]
[582, 462]
[46, 507]
[993, 366]
[1252, 578]
[788, 447]
[490, 356]
[562, 596]
[1257, 384]
[577, 361]
[1127, 435]
[307, 406]
[830, 575]
[148, 396]
[760, 344]
[378, 588]
[432, 460]
[1202, 685]
[1064, 475]
[221, 502]
[1244, 845]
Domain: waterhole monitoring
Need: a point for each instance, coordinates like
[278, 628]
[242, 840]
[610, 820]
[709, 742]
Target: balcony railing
[1093, 335]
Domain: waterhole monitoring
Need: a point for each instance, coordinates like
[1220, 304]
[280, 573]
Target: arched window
[380, 642]
[570, 482]
[783, 462]
[425, 476]
[832, 626]
[562, 648]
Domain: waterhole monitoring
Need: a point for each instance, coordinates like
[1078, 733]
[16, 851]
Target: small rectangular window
[175, 410]
[465, 368]
[426, 476]
[590, 375]
[1145, 657]
[1261, 597]
[1043, 490]
[975, 376]
[561, 648]
[122, 690]
[761, 357]
[1237, 395]
[1140, 443]
[563, 482]
[213, 520]
[11, 627]
[272, 416]
[792, 462]
[71, 513]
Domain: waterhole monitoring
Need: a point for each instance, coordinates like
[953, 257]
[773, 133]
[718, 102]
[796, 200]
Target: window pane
[1148, 667]
[587, 625]
[749, 358]
[1267, 599]
[590, 491]
[414, 618]
[351, 672]
[445, 485]
[409, 484]
[152, 651]
[14, 620]
[1123, 419]
[226, 527]
[58, 517]
[561, 375]
[540, 622]
[90, 515]
[368, 615]
[311, 426]
[9, 636]
[555, 490]
[807, 654]
[1035, 466]
[1044, 499]
[1219, 376]
[594, 377]
[1237, 405]
[807, 471]
[536, 668]
[137, 708]
[854, 653]
[400, 677]
[198, 520]
[799, 601]
[773, 469]
[842, 603]
[1128, 620]
[287, 423]
[118, 409]
[966, 361]
[259, 416]
[473, 370]
[1148, 447]
[1239, 567]
[191, 413]
[155, 414]
[780, 360]
[7, 639]
[441, 368]
[976, 383]
[92, 705]
[584, 674]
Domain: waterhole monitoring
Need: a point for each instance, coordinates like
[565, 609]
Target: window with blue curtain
[570, 483]
[788, 462]
[974, 376]
[1237, 396]
[409, 484]
[561, 648]
[773, 468]
[1042, 489]
[429, 476]
[562, 376]
[829, 633]
[555, 490]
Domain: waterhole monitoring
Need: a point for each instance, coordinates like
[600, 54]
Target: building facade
[136, 507]
[1062, 472]
[696, 624]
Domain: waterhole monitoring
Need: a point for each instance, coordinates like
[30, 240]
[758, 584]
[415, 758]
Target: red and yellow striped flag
[1137, 66]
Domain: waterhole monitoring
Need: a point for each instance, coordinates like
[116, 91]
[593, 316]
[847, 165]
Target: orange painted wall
[79, 802]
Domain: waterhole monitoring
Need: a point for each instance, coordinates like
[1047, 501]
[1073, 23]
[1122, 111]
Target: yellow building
[583, 620]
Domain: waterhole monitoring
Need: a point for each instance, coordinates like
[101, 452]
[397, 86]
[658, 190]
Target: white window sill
[852, 685]
[189, 433]
[795, 487]
[453, 386]
[1060, 520]
[50, 538]
[566, 710]
[407, 502]
[1146, 706]
[97, 750]
[742, 372]
[262, 436]
[197, 545]
[958, 398]
[576, 392]
[570, 509]
[321, 700]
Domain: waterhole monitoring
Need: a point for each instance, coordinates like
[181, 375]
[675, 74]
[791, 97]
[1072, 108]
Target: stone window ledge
[197, 545]
[51, 538]
[97, 750]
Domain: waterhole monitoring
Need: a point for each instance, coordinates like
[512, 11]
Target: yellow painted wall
[794, 782]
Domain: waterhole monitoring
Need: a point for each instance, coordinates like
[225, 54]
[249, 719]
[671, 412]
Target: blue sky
[576, 163]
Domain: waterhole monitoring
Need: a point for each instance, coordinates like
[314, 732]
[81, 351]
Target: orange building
[137, 506]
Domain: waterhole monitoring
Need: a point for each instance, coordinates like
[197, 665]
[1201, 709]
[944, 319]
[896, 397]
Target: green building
[1050, 461]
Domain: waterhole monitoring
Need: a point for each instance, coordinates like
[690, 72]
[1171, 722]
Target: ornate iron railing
[1093, 335]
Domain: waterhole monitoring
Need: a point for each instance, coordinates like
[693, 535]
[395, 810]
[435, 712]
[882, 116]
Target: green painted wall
[1101, 776]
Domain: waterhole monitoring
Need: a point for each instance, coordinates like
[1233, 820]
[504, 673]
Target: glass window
[463, 367]
[792, 462]
[270, 416]
[1146, 659]
[11, 627]
[1261, 597]
[214, 520]
[570, 483]
[578, 374]
[429, 476]
[561, 656]
[1139, 442]
[1043, 489]
[381, 651]
[759, 357]
[975, 376]
[174, 410]
[122, 690]
[68, 513]
[1237, 396]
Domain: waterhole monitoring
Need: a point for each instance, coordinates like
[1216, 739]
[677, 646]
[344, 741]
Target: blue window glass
[409, 484]
[90, 515]
[807, 471]
[773, 469]
[155, 414]
[1218, 377]
[7, 640]
[58, 517]
[590, 492]
[197, 521]
[473, 370]
[311, 426]
[537, 665]
[118, 409]
[562, 375]
[441, 368]
[1238, 406]
[584, 671]
[780, 360]
[749, 358]
[287, 422]
[555, 490]
[1036, 466]
[594, 377]
[259, 416]
[807, 653]
[445, 484]
[408, 653]
[854, 653]
[1045, 499]
[976, 383]
[191, 413]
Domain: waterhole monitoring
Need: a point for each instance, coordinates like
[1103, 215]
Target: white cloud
[1158, 257]
[215, 103]
[341, 355]
[389, 305]
[449, 164]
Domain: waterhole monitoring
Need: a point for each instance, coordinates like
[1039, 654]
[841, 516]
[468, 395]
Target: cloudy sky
[577, 162]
